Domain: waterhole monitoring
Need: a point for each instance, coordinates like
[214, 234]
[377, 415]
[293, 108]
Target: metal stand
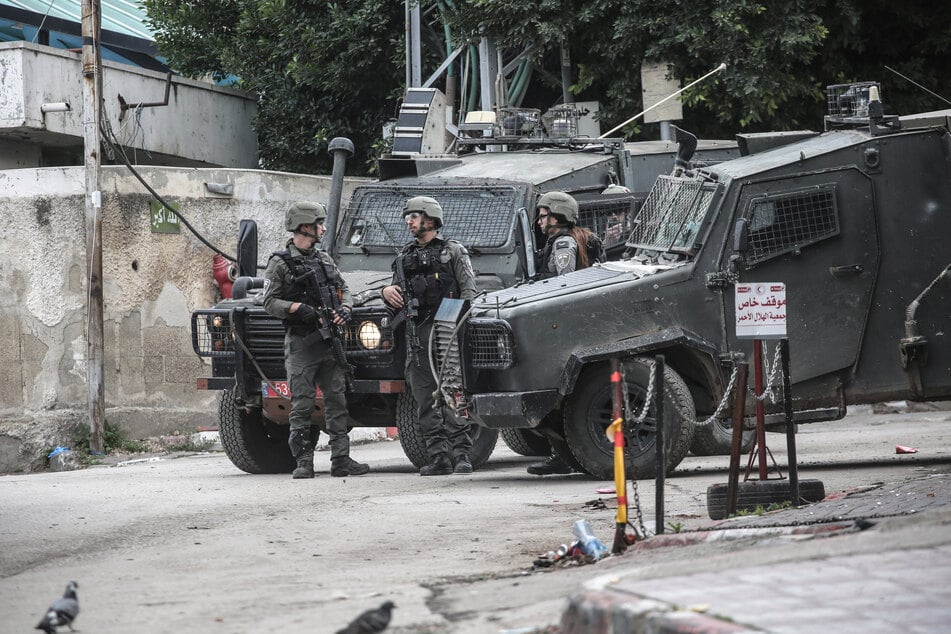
[790, 426]
[759, 449]
[739, 407]
[658, 389]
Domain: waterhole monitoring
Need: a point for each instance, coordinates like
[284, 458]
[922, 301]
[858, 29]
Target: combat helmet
[613, 188]
[559, 204]
[425, 205]
[303, 213]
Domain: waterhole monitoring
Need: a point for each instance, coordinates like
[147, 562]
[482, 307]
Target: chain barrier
[769, 389]
[638, 527]
[726, 397]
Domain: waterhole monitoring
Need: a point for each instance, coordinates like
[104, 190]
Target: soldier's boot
[347, 466]
[553, 465]
[302, 449]
[463, 464]
[438, 465]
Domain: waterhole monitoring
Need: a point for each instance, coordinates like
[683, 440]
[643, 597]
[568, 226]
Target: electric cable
[116, 147]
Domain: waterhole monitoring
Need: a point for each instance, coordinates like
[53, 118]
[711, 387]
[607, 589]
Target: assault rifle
[410, 310]
[322, 293]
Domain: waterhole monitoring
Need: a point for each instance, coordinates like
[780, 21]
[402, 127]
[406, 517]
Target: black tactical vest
[298, 267]
[428, 279]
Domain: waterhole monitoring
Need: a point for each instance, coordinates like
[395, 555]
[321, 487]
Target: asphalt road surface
[191, 544]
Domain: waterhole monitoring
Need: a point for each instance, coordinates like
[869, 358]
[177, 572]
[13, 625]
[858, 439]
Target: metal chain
[628, 412]
[769, 389]
[648, 400]
[726, 397]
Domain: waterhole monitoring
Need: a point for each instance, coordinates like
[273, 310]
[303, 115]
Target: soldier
[432, 268]
[309, 359]
[569, 248]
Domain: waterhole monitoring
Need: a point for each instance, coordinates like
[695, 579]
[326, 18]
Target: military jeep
[856, 221]
[487, 192]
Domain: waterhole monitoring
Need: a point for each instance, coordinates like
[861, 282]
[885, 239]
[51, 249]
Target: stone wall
[151, 283]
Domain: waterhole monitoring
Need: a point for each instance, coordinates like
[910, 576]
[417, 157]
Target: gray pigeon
[371, 621]
[62, 612]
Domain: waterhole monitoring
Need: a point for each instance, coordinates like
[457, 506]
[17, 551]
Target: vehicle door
[818, 234]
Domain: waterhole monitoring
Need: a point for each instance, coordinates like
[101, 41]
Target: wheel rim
[639, 437]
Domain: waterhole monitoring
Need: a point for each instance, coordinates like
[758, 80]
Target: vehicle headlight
[369, 335]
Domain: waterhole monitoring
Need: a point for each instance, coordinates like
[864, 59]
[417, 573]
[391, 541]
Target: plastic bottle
[590, 544]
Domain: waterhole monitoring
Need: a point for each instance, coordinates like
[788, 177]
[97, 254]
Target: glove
[345, 312]
[306, 314]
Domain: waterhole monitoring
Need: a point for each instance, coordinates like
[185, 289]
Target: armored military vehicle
[855, 221]
[487, 191]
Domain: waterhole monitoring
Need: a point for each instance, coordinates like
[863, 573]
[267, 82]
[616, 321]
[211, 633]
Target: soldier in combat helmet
[433, 268]
[309, 360]
[568, 248]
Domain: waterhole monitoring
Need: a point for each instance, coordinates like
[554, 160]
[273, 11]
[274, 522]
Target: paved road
[191, 544]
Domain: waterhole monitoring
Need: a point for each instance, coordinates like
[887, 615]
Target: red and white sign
[761, 310]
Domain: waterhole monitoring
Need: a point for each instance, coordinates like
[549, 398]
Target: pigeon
[62, 611]
[371, 621]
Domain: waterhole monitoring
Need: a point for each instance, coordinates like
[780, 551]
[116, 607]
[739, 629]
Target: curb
[725, 534]
[604, 608]
[613, 612]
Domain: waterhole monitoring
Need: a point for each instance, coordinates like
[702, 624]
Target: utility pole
[92, 101]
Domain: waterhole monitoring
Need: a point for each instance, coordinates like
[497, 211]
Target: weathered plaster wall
[201, 123]
[151, 284]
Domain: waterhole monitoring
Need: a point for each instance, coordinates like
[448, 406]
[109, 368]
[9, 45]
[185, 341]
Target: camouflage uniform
[310, 362]
[446, 436]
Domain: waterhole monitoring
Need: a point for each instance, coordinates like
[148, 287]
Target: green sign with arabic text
[163, 220]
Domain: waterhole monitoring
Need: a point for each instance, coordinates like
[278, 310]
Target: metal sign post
[760, 314]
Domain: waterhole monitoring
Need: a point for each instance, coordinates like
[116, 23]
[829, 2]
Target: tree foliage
[320, 69]
[325, 69]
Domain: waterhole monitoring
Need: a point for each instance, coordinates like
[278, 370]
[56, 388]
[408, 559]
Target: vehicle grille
[786, 223]
[491, 344]
[211, 333]
[611, 219]
[264, 337]
[479, 216]
[671, 215]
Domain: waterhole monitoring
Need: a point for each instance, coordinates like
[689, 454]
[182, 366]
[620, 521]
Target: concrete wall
[202, 123]
[151, 283]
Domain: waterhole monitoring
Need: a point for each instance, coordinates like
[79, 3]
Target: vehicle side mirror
[740, 236]
[247, 248]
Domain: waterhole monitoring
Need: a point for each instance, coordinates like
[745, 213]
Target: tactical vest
[298, 267]
[595, 251]
[428, 278]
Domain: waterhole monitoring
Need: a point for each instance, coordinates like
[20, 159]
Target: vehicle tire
[526, 442]
[588, 414]
[252, 443]
[414, 444]
[715, 438]
[762, 493]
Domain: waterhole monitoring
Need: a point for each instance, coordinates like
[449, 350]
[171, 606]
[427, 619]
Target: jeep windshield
[480, 217]
[672, 216]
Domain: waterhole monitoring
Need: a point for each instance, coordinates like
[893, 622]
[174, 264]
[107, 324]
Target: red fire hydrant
[225, 273]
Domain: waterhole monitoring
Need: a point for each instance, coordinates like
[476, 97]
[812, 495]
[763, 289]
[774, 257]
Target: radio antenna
[933, 94]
